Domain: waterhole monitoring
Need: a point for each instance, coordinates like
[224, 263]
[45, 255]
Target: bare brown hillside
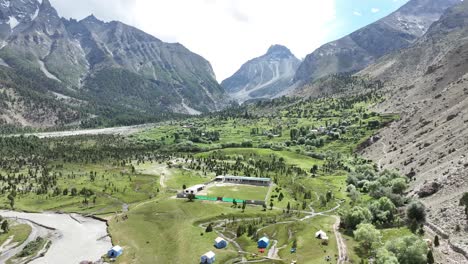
[428, 86]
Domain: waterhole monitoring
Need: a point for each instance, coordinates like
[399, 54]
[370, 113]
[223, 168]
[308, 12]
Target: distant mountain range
[259, 78]
[361, 48]
[56, 72]
[94, 70]
[263, 77]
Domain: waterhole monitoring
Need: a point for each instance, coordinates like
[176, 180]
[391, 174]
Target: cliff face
[263, 77]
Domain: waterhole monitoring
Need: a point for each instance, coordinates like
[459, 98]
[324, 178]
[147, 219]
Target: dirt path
[273, 252]
[342, 249]
[270, 189]
[162, 180]
[6, 244]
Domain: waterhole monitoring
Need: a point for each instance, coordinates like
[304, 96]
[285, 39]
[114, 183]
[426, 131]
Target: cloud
[107, 10]
[375, 10]
[225, 32]
[357, 13]
[236, 13]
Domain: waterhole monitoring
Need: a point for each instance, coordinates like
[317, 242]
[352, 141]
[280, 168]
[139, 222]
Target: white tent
[321, 235]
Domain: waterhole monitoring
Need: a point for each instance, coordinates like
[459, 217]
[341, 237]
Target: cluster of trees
[33, 165]
[384, 184]
[408, 249]
[251, 165]
[197, 135]
[403, 250]
[385, 210]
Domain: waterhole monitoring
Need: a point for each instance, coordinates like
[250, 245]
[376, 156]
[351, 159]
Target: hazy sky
[230, 32]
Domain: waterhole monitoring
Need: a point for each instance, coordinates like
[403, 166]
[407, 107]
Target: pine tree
[436, 241]
[430, 257]
[209, 228]
[464, 202]
[5, 226]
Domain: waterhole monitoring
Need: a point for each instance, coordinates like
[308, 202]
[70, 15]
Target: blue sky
[229, 32]
[354, 14]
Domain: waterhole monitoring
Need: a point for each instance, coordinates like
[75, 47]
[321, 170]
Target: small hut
[263, 242]
[115, 252]
[208, 258]
[220, 243]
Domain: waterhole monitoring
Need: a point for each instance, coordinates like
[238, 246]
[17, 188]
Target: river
[74, 238]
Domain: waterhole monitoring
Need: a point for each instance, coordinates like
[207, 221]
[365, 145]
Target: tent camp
[263, 242]
[321, 235]
[208, 258]
[115, 252]
[220, 243]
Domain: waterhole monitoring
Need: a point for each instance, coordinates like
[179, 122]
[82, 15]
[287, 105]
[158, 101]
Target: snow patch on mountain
[13, 22]
[34, 16]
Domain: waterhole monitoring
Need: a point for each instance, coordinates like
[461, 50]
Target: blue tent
[115, 252]
[208, 258]
[220, 243]
[263, 242]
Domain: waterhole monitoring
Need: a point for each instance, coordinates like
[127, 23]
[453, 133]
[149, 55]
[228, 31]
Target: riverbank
[82, 238]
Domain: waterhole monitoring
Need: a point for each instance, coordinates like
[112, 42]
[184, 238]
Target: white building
[195, 189]
[243, 180]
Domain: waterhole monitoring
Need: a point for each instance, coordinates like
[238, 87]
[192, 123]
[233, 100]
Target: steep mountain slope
[263, 77]
[427, 85]
[112, 69]
[361, 48]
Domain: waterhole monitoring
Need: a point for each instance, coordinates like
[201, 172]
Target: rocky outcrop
[263, 77]
[429, 189]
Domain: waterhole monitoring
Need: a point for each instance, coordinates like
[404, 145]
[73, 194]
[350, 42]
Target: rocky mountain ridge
[363, 47]
[108, 67]
[263, 77]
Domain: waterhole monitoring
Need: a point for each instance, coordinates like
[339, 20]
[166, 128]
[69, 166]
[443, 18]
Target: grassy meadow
[306, 147]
